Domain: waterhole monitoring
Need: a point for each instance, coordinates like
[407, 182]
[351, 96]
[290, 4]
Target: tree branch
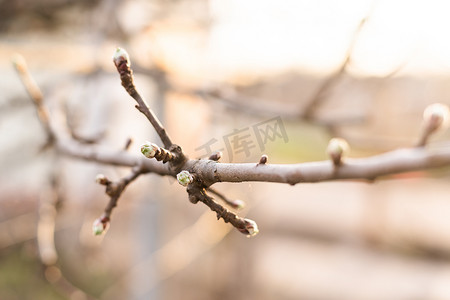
[199, 175]
[122, 62]
[114, 190]
[35, 94]
[370, 168]
[245, 226]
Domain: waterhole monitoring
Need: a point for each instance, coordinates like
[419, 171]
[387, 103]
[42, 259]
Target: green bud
[184, 178]
[98, 227]
[149, 149]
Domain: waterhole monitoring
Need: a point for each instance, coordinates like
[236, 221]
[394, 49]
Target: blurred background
[247, 78]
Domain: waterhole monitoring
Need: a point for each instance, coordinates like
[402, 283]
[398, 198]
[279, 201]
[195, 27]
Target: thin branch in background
[236, 204]
[244, 104]
[122, 62]
[50, 202]
[18, 229]
[128, 143]
[216, 156]
[308, 113]
[35, 94]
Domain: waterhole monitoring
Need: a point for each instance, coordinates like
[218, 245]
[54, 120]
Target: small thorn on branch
[435, 117]
[151, 150]
[216, 156]
[263, 160]
[128, 143]
[35, 94]
[236, 204]
[336, 149]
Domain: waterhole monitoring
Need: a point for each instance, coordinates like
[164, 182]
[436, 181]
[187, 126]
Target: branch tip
[100, 225]
[102, 179]
[250, 228]
[216, 156]
[19, 62]
[121, 55]
[121, 60]
[151, 150]
[237, 204]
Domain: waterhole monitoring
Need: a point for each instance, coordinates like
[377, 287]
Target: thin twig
[49, 204]
[321, 94]
[114, 190]
[245, 226]
[122, 62]
[236, 204]
[35, 94]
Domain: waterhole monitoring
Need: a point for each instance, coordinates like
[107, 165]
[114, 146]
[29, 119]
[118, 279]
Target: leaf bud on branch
[336, 149]
[216, 156]
[435, 117]
[100, 225]
[151, 150]
[184, 178]
[122, 61]
[263, 159]
[250, 229]
[102, 179]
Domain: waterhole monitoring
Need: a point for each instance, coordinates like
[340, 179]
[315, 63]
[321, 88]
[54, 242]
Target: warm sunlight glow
[272, 36]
